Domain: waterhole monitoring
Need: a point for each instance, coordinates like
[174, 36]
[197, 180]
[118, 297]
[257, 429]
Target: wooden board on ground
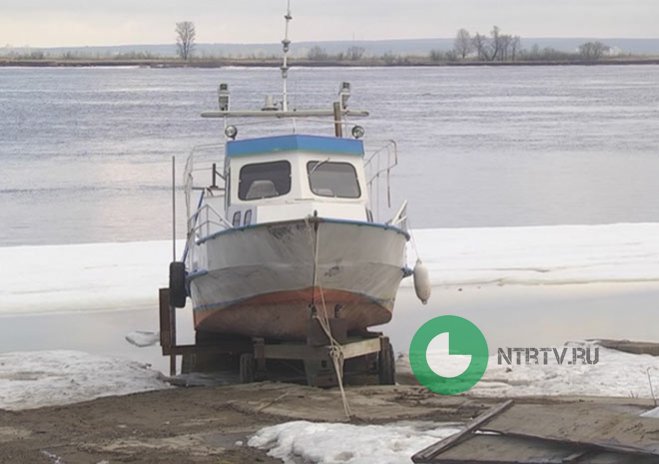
[500, 449]
[580, 424]
[631, 347]
[580, 432]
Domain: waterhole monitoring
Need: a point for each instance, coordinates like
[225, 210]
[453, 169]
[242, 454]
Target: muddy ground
[213, 424]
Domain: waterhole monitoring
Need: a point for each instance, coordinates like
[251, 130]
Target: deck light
[223, 96]
[344, 94]
[231, 132]
[358, 132]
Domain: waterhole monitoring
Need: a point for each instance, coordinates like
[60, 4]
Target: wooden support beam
[166, 340]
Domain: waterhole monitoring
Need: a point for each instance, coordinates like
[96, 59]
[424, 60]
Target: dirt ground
[213, 424]
[201, 424]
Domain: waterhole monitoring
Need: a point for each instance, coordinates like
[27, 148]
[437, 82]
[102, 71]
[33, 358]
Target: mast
[273, 109]
[286, 43]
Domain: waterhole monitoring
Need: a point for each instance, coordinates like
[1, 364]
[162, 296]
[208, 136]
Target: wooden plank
[502, 449]
[606, 446]
[294, 351]
[628, 346]
[361, 348]
[428, 454]
[165, 321]
[351, 349]
[491, 449]
[583, 424]
[616, 458]
[228, 347]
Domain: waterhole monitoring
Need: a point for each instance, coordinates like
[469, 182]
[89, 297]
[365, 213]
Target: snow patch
[616, 374]
[143, 338]
[46, 378]
[540, 255]
[326, 443]
[653, 413]
[94, 277]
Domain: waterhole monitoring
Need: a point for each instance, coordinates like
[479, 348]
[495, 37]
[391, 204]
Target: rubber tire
[177, 291]
[247, 368]
[387, 366]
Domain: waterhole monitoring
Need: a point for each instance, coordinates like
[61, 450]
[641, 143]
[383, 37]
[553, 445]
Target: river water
[86, 152]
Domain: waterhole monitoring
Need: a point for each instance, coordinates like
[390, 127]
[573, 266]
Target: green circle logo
[448, 355]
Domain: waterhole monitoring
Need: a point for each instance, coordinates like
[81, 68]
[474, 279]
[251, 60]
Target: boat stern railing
[377, 167]
[203, 219]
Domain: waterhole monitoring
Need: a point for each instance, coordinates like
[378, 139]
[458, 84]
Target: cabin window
[332, 179]
[264, 180]
[236, 219]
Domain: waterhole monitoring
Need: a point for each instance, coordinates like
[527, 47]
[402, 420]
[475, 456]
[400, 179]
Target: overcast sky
[112, 22]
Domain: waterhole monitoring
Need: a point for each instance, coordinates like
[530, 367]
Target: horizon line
[346, 41]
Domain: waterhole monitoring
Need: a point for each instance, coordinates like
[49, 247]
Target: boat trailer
[325, 362]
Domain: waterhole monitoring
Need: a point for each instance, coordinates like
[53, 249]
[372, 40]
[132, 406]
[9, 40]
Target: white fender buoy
[421, 281]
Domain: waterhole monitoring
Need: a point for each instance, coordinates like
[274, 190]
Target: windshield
[264, 180]
[332, 179]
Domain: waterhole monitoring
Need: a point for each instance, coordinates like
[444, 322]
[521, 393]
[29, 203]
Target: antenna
[286, 43]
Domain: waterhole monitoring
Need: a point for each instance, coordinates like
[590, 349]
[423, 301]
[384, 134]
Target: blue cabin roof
[286, 143]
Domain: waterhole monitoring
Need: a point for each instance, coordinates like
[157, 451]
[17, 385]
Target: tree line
[491, 48]
[495, 47]
[501, 47]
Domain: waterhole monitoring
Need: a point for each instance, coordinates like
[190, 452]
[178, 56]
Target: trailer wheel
[247, 368]
[387, 366]
[177, 292]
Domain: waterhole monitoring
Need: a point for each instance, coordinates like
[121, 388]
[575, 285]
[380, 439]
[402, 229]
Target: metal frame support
[316, 358]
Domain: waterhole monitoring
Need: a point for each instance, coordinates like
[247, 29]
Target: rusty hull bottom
[285, 315]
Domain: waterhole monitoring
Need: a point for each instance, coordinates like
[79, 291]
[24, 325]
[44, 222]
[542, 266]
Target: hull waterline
[261, 281]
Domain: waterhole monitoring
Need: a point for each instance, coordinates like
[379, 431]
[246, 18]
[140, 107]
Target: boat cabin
[290, 177]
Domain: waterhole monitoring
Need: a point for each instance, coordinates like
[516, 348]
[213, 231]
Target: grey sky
[105, 22]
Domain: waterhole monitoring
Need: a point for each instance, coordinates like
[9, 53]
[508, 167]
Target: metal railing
[378, 166]
[203, 219]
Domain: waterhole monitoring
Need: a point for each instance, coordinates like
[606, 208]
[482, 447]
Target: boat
[287, 227]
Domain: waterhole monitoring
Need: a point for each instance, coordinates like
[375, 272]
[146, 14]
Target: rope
[412, 240]
[336, 350]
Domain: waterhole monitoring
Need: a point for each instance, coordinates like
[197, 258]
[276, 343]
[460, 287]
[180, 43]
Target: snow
[653, 413]
[541, 255]
[98, 276]
[143, 338]
[127, 275]
[45, 378]
[616, 374]
[326, 443]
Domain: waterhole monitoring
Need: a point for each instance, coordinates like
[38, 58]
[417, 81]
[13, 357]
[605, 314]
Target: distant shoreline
[272, 63]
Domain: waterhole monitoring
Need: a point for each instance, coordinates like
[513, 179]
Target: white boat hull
[260, 281]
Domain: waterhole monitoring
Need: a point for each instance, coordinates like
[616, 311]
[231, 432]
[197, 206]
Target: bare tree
[505, 46]
[463, 44]
[593, 51]
[496, 44]
[185, 37]
[355, 53]
[496, 47]
[317, 53]
[515, 47]
[481, 45]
